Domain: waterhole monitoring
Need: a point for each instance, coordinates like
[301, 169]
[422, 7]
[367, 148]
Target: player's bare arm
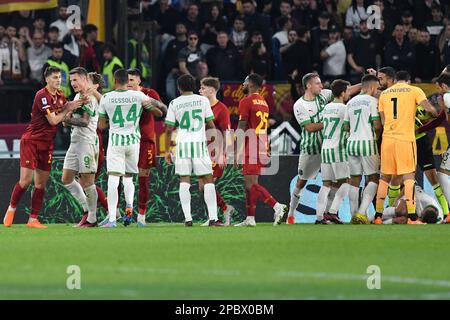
[78, 122]
[377, 126]
[313, 127]
[382, 117]
[103, 123]
[429, 108]
[54, 119]
[168, 140]
[153, 103]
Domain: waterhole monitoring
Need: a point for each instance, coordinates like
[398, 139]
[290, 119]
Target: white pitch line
[316, 275]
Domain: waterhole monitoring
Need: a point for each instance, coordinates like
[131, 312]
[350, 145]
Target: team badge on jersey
[44, 101]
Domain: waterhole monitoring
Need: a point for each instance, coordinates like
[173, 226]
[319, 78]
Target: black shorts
[425, 158]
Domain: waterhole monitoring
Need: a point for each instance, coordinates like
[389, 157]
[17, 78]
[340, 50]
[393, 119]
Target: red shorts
[147, 155]
[217, 170]
[101, 161]
[251, 169]
[36, 154]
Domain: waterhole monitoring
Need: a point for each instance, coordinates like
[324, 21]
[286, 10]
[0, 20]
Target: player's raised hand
[168, 157]
[72, 105]
[372, 71]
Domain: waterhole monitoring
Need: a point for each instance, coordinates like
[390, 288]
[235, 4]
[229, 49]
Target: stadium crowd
[282, 40]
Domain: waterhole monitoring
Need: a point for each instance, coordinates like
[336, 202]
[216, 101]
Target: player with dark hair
[334, 160]
[147, 152]
[397, 107]
[253, 117]
[50, 107]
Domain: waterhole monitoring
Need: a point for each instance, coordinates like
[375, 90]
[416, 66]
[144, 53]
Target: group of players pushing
[339, 137]
[129, 113]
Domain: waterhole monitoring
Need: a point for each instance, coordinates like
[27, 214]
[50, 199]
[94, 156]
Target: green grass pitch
[173, 262]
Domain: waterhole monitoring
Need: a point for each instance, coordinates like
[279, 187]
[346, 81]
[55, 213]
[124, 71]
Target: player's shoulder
[42, 93]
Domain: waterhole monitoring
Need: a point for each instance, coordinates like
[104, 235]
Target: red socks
[36, 202]
[220, 202]
[144, 194]
[16, 195]
[102, 198]
[262, 194]
[248, 206]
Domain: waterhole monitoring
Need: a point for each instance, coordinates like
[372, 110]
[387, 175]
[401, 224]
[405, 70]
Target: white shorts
[334, 171]
[193, 167]
[82, 157]
[368, 165]
[308, 166]
[445, 164]
[122, 159]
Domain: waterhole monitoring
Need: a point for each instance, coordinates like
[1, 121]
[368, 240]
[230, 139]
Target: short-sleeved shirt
[399, 103]
[360, 114]
[123, 108]
[44, 104]
[334, 135]
[255, 110]
[309, 111]
[192, 58]
[147, 123]
[86, 134]
[190, 112]
[221, 116]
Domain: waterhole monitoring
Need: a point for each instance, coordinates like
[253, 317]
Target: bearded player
[147, 152]
[50, 107]
[253, 118]
[208, 88]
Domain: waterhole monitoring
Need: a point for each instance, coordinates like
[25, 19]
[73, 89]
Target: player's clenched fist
[72, 105]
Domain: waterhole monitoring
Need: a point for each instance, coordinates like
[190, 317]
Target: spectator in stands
[135, 44]
[74, 41]
[399, 53]
[190, 56]
[61, 23]
[355, 13]
[171, 66]
[297, 59]
[334, 56]
[112, 64]
[39, 25]
[164, 14]
[435, 25]
[37, 55]
[320, 37]
[303, 14]
[192, 19]
[12, 55]
[256, 21]
[362, 52]
[202, 72]
[2, 32]
[239, 35]
[214, 23]
[223, 60]
[91, 57]
[428, 55]
[57, 60]
[285, 12]
[407, 21]
[52, 36]
[422, 12]
[413, 36]
[258, 60]
[444, 38]
[22, 18]
[331, 7]
[279, 41]
[24, 37]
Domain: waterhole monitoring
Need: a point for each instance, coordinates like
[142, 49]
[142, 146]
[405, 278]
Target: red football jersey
[221, 116]
[147, 122]
[44, 103]
[255, 110]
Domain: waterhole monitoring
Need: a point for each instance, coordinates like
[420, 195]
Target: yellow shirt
[399, 103]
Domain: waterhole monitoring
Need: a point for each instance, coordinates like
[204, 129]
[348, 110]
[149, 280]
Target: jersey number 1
[394, 106]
